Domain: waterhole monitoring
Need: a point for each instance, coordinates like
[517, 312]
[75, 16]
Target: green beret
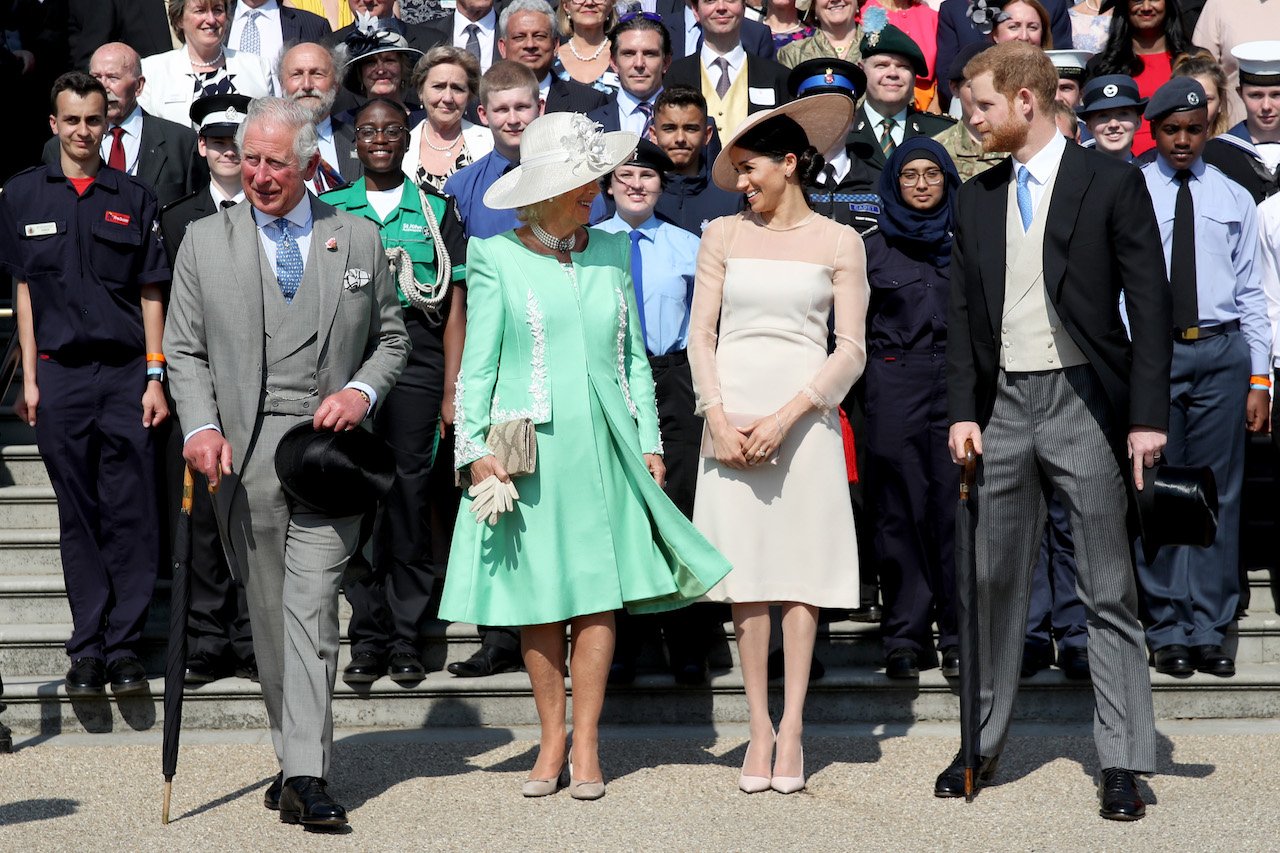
[890, 39]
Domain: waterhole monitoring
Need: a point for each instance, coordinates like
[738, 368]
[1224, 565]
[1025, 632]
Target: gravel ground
[668, 789]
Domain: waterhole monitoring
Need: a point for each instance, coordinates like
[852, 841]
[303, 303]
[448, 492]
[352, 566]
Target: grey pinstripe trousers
[1052, 427]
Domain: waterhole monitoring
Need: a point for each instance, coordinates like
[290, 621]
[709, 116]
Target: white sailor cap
[1259, 62]
[219, 115]
[1070, 63]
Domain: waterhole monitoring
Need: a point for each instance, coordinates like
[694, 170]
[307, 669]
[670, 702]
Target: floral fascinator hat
[559, 152]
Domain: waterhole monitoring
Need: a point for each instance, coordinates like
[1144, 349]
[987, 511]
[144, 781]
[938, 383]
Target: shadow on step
[30, 811]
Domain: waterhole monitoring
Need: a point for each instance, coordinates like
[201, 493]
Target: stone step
[39, 704]
[21, 465]
[30, 551]
[28, 507]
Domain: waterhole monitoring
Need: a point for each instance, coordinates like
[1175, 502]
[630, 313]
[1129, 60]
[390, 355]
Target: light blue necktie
[288, 262]
[1024, 198]
[250, 38]
[637, 278]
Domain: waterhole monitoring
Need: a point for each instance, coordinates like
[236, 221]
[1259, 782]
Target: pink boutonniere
[331, 244]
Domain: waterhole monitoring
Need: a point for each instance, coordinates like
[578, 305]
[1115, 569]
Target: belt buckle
[1192, 334]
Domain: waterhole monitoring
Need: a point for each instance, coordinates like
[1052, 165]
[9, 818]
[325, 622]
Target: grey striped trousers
[1052, 427]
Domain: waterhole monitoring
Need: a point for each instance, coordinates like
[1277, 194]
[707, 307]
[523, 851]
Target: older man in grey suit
[283, 312]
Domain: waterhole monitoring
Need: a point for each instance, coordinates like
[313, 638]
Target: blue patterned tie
[637, 278]
[250, 38]
[1024, 198]
[288, 262]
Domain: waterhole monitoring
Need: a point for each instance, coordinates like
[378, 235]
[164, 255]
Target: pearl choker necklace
[593, 57]
[555, 244]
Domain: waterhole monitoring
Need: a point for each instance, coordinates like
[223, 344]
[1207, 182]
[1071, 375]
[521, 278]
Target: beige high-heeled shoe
[581, 789]
[545, 787]
[754, 784]
[790, 784]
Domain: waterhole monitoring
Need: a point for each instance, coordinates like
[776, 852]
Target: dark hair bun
[809, 165]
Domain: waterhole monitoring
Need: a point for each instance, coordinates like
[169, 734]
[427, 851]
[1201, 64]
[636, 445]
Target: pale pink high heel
[753, 784]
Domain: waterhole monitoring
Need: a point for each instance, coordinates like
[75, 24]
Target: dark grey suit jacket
[570, 96]
[756, 38]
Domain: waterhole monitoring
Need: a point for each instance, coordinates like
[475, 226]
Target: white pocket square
[356, 279]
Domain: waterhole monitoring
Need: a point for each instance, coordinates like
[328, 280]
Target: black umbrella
[175, 666]
[967, 613]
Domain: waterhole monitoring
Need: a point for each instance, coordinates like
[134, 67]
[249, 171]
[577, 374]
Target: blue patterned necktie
[288, 262]
[250, 38]
[1024, 198]
[637, 278]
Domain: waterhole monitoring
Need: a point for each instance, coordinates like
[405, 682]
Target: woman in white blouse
[202, 66]
[444, 142]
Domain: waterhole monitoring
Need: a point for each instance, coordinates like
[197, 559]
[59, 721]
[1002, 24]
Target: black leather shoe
[1118, 794]
[1035, 658]
[870, 613]
[690, 673]
[951, 781]
[271, 796]
[1173, 660]
[202, 669]
[1213, 660]
[86, 677]
[247, 669]
[405, 668]
[778, 666]
[489, 660]
[365, 668]
[951, 662]
[127, 675]
[902, 663]
[1074, 663]
[305, 800]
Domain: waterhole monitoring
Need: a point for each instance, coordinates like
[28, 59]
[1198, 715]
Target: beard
[323, 108]
[1008, 136]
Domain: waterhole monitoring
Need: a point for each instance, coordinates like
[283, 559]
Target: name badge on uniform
[41, 229]
[118, 218]
[764, 97]
[412, 228]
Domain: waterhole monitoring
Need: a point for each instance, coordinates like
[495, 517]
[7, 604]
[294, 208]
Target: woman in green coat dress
[551, 338]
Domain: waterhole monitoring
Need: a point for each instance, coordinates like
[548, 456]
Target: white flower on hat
[585, 143]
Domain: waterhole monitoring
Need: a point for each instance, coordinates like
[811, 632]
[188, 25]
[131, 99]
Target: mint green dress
[591, 531]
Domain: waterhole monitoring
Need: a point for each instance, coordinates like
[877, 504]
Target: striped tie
[886, 136]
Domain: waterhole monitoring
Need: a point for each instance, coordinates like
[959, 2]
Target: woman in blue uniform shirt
[911, 479]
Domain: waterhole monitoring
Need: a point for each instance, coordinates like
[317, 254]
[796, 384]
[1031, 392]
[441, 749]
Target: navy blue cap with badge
[1110, 92]
[219, 115]
[1180, 94]
[826, 75]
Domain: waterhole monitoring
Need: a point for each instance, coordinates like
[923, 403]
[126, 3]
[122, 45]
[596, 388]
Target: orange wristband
[156, 357]
[1260, 380]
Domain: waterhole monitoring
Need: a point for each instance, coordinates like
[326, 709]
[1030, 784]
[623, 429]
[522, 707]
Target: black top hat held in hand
[1178, 505]
[337, 474]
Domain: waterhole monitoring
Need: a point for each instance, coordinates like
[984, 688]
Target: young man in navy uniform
[82, 242]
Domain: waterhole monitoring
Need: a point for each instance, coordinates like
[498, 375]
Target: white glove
[491, 498]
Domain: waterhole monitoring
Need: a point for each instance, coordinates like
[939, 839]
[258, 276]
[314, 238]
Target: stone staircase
[35, 621]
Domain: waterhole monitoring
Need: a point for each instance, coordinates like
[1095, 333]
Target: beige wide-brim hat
[826, 120]
[559, 152]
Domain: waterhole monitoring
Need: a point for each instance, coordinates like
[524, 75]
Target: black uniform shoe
[305, 800]
[1173, 660]
[271, 796]
[247, 669]
[1074, 663]
[691, 673]
[202, 669]
[127, 675]
[1035, 658]
[951, 662]
[365, 668]
[902, 663]
[951, 781]
[86, 677]
[1118, 794]
[870, 613]
[489, 660]
[1213, 660]
[405, 668]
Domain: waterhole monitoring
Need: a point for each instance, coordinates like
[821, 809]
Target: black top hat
[1178, 505]
[822, 75]
[337, 474]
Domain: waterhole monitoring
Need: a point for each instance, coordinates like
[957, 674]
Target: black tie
[1182, 261]
[224, 204]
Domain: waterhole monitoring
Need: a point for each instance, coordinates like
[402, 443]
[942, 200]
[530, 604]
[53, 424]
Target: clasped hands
[747, 446]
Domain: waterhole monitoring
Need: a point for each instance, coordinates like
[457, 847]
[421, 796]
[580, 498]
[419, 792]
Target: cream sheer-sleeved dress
[787, 528]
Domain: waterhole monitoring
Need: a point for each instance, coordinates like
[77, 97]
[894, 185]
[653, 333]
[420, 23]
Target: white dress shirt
[737, 59]
[692, 31]
[270, 35]
[219, 196]
[131, 139]
[1043, 166]
[487, 25]
[875, 120]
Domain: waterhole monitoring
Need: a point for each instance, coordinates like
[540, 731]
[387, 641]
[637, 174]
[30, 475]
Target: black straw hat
[1178, 505]
[337, 474]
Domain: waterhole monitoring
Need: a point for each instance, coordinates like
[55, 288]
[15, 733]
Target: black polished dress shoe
[870, 613]
[406, 668]
[1118, 795]
[246, 669]
[1213, 660]
[1173, 660]
[778, 666]
[86, 677]
[488, 660]
[365, 668]
[902, 663]
[1074, 663]
[1035, 658]
[305, 800]
[271, 796]
[202, 669]
[950, 782]
[127, 675]
[951, 662]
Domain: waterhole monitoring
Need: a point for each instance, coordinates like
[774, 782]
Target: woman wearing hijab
[911, 479]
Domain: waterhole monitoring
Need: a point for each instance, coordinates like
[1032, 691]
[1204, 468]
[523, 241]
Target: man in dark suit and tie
[160, 153]
[308, 75]
[640, 54]
[526, 33]
[141, 24]
[264, 27]
[681, 20]
[473, 28]
[1043, 380]
[734, 82]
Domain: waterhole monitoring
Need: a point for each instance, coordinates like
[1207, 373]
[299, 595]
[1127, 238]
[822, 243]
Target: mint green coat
[591, 531]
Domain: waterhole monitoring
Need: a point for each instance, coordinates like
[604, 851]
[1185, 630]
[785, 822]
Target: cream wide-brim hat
[825, 119]
[559, 152]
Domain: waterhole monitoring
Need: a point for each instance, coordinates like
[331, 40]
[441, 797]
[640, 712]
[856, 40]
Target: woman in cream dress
[774, 499]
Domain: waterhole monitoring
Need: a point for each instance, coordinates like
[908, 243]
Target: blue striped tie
[288, 262]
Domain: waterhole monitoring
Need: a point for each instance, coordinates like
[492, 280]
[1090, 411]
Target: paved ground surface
[668, 789]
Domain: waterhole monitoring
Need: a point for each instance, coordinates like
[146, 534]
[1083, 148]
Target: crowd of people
[748, 279]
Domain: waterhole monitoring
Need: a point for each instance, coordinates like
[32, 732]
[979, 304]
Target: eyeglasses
[932, 177]
[366, 132]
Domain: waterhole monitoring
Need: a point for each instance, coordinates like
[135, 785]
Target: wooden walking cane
[967, 597]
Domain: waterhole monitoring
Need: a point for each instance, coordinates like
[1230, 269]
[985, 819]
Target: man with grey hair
[526, 33]
[310, 74]
[288, 289]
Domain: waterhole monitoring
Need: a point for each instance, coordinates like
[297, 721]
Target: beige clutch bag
[514, 445]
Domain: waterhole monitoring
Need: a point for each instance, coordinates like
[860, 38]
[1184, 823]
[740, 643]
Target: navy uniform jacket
[175, 218]
[853, 201]
[692, 202]
[84, 258]
[910, 295]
